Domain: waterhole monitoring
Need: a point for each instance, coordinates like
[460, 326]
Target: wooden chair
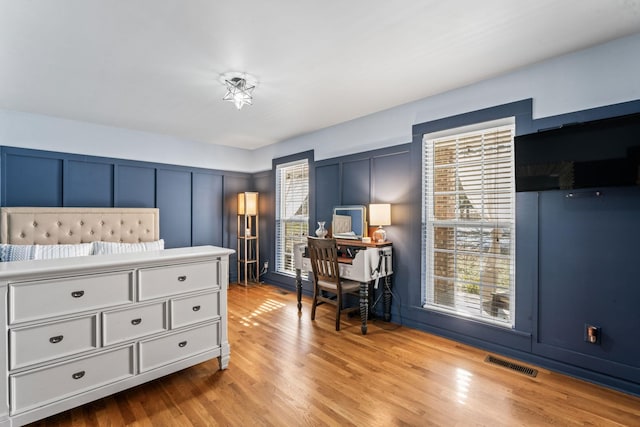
[323, 254]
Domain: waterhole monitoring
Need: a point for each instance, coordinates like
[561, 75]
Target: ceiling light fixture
[239, 89]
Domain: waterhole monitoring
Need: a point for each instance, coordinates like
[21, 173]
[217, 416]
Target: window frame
[428, 248]
[277, 164]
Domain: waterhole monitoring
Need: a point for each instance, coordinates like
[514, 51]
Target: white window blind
[292, 211]
[469, 224]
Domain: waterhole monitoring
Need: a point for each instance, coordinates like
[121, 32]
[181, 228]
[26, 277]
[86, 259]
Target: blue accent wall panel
[88, 184]
[327, 192]
[526, 260]
[391, 183]
[49, 178]
[174, 202]
[391, 177]
[356, 179]
[136, 187]
[31, 180]
[207, 209]
[589, 274]
[263, 184]
[232, 186]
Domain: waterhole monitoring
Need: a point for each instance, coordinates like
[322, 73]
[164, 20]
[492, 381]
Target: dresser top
[18, 269]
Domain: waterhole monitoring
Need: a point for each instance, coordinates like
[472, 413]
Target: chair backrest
[323, 254]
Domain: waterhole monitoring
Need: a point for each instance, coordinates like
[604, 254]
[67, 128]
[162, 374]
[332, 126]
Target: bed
[93, 305]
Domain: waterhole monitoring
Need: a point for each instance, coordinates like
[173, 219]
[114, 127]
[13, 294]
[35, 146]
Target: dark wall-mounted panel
[136, 187]
[597, 153]
[207, 209]
[31, 180]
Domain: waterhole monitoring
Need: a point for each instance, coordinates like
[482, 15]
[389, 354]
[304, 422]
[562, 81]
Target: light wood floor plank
[286, 370]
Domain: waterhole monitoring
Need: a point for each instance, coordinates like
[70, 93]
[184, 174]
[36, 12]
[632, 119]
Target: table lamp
[380, 214]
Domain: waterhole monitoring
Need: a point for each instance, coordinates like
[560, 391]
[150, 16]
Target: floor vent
[513, 366]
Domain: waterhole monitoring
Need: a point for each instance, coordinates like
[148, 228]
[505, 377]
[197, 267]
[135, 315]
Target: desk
[362, 262]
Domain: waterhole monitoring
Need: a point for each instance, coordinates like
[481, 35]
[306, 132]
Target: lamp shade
[380, 214]
[248, 203]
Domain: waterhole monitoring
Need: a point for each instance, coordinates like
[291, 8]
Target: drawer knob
[78, 375]
[196, 308]
[182, 278]
[77, 294]
[56, 339]
[136, 321]
[182, 344]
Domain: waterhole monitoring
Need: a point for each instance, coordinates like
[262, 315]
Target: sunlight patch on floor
[463, 381]
[265, 307]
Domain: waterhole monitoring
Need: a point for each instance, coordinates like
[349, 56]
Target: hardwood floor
[286, 370]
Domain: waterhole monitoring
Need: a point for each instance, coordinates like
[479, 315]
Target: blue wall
[197, 206]
[576, 260]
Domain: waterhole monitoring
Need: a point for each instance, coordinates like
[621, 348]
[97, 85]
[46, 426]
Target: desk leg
[299, 288]
[364, 306]
[387, 299]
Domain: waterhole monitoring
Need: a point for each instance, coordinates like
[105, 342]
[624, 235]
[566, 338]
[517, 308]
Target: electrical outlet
[592, 334]
[265, 266]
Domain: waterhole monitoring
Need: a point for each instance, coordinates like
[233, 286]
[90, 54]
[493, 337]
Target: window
[292, 211]
[469, 222]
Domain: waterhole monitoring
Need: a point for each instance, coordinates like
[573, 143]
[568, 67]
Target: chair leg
[314, 303]
[338, 309]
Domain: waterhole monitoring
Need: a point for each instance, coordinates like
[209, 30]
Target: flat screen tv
[599, 153]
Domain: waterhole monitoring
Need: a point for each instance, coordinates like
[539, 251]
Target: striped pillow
[16, 252]
[105, 248]
[61, 251]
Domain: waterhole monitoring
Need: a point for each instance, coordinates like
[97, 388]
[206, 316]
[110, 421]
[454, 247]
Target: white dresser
[79, 329]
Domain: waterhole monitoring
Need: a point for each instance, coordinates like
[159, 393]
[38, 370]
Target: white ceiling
[155, 65]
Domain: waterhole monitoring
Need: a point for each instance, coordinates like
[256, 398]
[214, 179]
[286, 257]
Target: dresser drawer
[194, 309]
[47, 298]
[174, 279]
[40, 343]
[41, 386]
[134, 322]
[164, 350]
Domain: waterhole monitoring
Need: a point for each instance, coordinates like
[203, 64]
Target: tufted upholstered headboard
[52, 226]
